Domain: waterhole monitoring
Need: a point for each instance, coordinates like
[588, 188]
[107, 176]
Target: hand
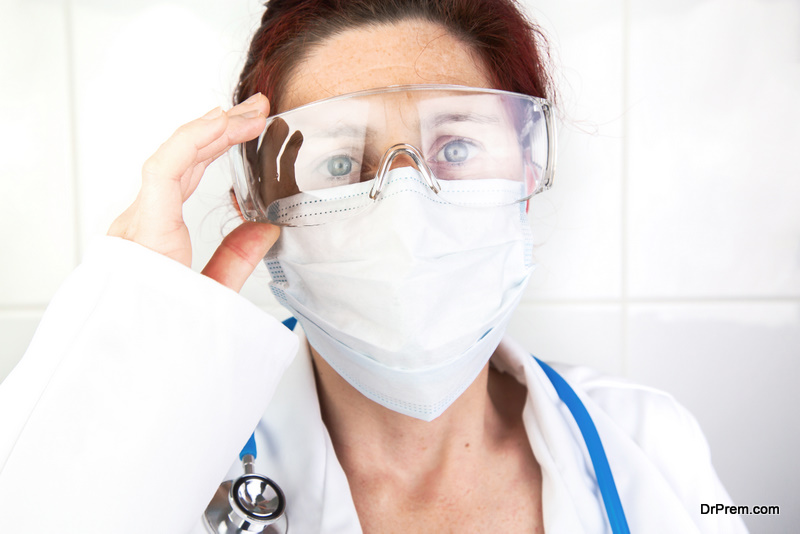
[170, 176]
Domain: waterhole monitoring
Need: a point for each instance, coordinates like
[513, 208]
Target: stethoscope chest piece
[251, 503]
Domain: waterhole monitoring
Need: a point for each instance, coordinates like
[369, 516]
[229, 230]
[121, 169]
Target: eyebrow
[444, 118]
[345, 130]
[359, 132]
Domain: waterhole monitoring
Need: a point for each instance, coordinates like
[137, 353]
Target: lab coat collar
[571, 500]
[295, 450]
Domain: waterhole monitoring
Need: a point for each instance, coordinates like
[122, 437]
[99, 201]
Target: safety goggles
[344, 147]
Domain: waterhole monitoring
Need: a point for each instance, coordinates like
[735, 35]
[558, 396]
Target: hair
[513, 50]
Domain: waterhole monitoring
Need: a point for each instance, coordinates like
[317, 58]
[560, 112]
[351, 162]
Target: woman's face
[407, 52]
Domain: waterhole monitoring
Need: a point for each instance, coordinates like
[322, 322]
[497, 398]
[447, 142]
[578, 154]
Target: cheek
[514, 165]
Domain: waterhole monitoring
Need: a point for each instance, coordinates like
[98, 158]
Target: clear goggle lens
[343, 146]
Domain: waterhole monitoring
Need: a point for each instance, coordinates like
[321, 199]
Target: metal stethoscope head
[251, 503]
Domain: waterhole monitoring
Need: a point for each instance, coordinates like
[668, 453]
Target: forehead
[368, 57]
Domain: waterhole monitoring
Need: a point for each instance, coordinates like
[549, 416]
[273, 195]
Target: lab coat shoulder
[655, 447]
[142, 382]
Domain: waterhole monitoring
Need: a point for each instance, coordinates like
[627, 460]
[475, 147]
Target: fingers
[257, 102]
[206, 138]
[239, 253]
[172, 174]
[179, 152]
[246, 121]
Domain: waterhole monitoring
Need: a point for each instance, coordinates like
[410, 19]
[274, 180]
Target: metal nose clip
[386, 162]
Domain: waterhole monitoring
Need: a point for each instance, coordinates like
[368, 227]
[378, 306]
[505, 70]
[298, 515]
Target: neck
[375, 442]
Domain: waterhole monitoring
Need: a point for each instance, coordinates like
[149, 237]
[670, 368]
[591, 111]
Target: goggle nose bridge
[389, 157]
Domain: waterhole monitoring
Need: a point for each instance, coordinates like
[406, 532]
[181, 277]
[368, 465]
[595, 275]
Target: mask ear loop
[386, 162]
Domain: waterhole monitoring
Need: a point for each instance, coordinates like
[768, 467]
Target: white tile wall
[581, 334]
[16, 330]
[735, 366]
[669, 250]
[37, 211]
[578, 224]
[142, 89]
[713, 188]
[142, 70]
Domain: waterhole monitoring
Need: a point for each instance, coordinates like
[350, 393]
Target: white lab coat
[145, 379]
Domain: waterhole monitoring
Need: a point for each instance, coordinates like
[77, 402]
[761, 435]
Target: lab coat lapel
[571, 502]
[296, 451]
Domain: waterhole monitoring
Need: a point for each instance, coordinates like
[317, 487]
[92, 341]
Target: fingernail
[213, 114]
[252, 114]
[253, 98]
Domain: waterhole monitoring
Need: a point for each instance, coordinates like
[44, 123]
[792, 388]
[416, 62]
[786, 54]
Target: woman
[158, 376]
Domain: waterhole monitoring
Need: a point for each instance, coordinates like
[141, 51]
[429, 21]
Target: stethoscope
[254, 503]
[251, 503]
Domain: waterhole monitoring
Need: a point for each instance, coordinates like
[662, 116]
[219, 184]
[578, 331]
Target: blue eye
[456, 151]
[340, 166]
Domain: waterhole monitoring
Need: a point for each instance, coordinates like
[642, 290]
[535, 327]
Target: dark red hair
[512, 49]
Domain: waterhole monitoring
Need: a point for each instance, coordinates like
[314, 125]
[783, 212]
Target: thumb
[239, 253]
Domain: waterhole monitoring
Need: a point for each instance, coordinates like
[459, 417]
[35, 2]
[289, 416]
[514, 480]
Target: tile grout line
[23, 310]
[625, 97]
[73, 121]
[648, 301]
[636, 301]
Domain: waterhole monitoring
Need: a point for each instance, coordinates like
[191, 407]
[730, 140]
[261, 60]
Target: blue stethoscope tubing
[602, 471]
[597, 454]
